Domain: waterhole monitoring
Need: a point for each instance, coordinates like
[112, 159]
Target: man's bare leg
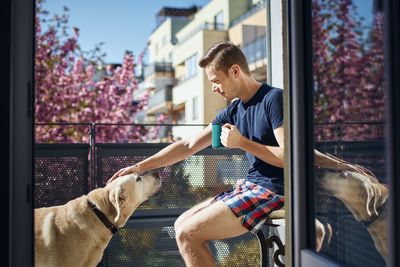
[213, 222]
[192, 211]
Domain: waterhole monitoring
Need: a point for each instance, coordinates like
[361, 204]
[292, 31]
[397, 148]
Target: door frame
[21, 113]
[392, 68]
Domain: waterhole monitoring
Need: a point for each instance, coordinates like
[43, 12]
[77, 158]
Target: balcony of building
[158, 68]
[253, 9]
[256, 54]
[160, 101]
[211, 26]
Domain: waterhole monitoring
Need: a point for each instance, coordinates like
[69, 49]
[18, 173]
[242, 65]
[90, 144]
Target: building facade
[181, 89]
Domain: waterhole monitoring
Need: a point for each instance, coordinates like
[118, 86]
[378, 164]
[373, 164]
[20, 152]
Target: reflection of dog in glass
[366, 199]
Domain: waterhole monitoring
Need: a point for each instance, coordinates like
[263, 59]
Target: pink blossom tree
[72, 88]
[348, 73]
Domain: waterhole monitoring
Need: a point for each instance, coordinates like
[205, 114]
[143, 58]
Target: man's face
[221, 83]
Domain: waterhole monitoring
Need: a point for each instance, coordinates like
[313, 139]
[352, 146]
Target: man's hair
[223, 55]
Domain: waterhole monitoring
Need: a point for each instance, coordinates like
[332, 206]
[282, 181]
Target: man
[253, 123]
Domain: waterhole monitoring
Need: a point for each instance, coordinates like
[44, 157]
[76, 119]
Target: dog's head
[127, 192]
[360, 193]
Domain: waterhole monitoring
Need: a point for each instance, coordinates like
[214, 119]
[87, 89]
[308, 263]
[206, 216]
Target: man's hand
[231, 137]
[124, 171]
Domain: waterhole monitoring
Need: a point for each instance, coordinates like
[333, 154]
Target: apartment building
[249, 32]
[159, 75]
[178, 86]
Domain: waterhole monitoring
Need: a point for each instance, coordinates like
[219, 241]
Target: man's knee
[185, 233]
[178, 222]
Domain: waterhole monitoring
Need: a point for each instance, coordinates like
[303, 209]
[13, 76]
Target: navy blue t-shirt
[256, 120]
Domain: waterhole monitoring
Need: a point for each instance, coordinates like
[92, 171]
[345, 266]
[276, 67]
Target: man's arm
[331, 162]
[274, 155]
[171, 154]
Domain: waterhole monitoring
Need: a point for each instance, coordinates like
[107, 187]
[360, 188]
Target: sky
[121, 24]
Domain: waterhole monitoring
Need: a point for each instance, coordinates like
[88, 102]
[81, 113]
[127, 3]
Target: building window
[178, 116]
[219, 21]
[195, 107]
[191, 66]
[181, 117]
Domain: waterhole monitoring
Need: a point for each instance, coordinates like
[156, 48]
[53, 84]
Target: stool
[276, 218]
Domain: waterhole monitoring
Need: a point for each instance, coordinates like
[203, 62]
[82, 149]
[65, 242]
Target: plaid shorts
[251, 201]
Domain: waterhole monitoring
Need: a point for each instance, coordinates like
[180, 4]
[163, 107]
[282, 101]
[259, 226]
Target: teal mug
[216, 136]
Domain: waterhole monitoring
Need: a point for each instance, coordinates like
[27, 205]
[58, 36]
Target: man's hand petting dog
[124, 171]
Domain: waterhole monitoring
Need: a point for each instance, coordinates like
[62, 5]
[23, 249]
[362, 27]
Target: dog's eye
[138, 179]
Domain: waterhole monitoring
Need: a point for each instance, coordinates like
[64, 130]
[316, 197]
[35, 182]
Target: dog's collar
[381, 211]
[113, 229]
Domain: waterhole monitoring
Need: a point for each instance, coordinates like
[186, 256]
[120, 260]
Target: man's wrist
[137, 167]
[243, 143]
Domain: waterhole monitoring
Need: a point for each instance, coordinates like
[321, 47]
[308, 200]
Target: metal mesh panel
[151, 241]
[351, 243]
[367, 154]
[349, 132]
[153, 244]
[107, 166]
[186, 183]
[60, 173]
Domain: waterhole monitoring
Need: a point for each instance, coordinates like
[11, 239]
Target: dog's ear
[372, 198]
[117, 198]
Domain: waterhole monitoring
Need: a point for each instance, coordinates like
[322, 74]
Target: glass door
[348, 106]
[342, 145]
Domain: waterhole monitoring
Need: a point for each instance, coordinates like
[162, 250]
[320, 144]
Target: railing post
[92, 158]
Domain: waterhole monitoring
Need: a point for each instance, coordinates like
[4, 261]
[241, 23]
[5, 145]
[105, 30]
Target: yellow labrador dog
[366, 199]
[75, 234]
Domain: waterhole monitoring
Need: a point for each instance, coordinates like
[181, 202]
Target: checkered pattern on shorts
[252, 201]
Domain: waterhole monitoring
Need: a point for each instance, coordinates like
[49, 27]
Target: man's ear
[235, 70]
[117, 198]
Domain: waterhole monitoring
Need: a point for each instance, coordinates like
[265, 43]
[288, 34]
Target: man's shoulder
[272, 92]
[272, 89]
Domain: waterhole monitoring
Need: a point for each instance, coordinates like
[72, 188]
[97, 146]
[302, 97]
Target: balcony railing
[202, 27]
[253, 9]
[158, 67]
[160, 97]
[255, 50]
[64, 171]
